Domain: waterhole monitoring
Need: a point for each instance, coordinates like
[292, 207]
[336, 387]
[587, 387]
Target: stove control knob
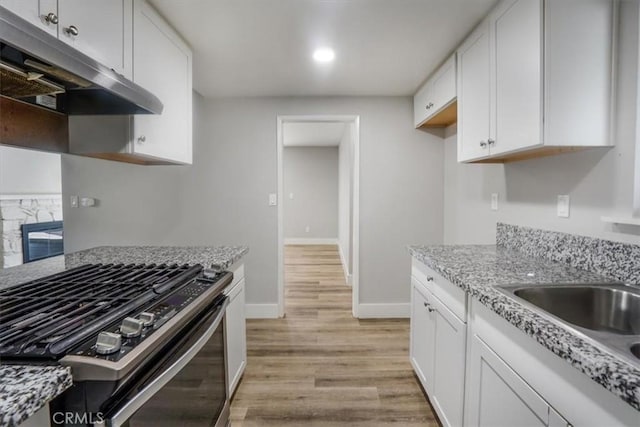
[147, 319]
[131, 327]
[108, 343]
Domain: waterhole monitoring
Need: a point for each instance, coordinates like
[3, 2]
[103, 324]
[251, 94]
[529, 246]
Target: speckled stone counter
[217, 257]
[479, 269]
[26, 389]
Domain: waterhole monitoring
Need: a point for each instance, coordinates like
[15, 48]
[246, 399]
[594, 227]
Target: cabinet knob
[425, 304]
[142, 139]
[491, 141]
[431, 310]
[429, 105]
[51, 18]
[483, 144]
[429, 278]
[72, 30]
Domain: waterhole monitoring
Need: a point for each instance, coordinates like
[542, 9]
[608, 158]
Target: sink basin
[598, 308]
[606, 314]
[635, 350]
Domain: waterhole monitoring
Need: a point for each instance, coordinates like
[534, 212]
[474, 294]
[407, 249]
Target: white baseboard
[345, 267]
[384, 311]
[311, 241]
[261, 311]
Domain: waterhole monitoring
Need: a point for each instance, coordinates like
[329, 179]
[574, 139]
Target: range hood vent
[34, 64]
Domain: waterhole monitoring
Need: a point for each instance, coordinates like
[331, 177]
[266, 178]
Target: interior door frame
[355, 273]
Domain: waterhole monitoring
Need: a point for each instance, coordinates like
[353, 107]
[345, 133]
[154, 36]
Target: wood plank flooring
[321, 367]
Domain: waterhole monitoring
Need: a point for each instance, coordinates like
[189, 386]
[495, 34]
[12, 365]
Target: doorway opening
[297, 134]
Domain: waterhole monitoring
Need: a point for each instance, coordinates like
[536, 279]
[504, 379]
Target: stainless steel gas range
[145, 343]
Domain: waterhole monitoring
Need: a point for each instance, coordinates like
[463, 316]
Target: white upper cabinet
[42, 13]
[432, 101]
[99, 29]
[517, 79]
[549, 83]
[162, 65]
[474, 95]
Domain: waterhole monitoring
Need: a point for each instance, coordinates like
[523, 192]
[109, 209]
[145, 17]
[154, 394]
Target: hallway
[321, 367]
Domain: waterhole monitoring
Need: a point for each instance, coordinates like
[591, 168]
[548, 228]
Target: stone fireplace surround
[16, 210]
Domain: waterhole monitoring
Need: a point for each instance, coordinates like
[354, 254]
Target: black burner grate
[47, 317]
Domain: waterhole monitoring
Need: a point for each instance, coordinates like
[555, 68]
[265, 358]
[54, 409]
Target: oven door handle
[127, 410]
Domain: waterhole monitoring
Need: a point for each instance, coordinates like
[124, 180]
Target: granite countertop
[478, 269]
[26, 389]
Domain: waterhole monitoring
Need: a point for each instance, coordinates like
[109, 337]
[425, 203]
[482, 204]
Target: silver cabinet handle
[491, 141]
[72, 30]
[51, 18]
[483, 144]
[142, 139]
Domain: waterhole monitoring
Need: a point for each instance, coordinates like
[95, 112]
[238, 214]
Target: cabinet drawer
[454, 298]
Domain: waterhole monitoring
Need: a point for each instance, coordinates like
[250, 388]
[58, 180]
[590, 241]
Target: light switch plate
[564, 203]
[494, 201]
[273, 199]
[74, 201]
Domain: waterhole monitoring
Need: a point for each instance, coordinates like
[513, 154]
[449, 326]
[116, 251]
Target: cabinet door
[235, 329]
[444, 84]
[422, 336]
[162, 65]
[497, 396]
[474, 95]
[423, 104]
[449, 362]
[517, 38]
[103, 30]
[36, 11]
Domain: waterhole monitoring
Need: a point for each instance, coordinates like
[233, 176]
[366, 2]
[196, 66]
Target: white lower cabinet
[437, 350]
[235, 330]
[497, 396]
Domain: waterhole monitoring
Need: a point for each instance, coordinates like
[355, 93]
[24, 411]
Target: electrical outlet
[564, 203]
[291, 196]
[307, 229]
[494, 201]
[273, 199]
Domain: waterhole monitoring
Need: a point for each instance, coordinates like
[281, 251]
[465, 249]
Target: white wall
[311, 175]
[223, 197]
[29, 172]
[345, 199]
[599, 181]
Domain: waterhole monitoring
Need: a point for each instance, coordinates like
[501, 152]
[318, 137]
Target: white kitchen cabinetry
[433, 103]
[497, 396]
[162, 64]
[235, 330]
[99, 29]
[512, 380]
[41, 13]
[422, 336]
[474, 95]
[550, 80]
[438, 342]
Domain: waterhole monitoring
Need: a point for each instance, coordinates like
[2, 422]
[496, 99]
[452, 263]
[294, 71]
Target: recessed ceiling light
[324, 54]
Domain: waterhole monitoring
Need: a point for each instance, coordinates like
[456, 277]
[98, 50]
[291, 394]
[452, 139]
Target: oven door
[189, 387]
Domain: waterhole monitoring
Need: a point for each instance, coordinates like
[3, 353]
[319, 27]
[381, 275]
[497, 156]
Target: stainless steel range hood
[33, 63]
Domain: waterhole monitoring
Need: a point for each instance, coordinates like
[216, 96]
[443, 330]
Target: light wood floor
[321, 367]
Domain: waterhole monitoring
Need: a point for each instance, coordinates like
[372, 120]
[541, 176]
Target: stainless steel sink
[608, 314]
[598, 308]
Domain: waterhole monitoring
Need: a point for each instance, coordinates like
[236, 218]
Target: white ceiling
[264, 47]
[312, 134]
